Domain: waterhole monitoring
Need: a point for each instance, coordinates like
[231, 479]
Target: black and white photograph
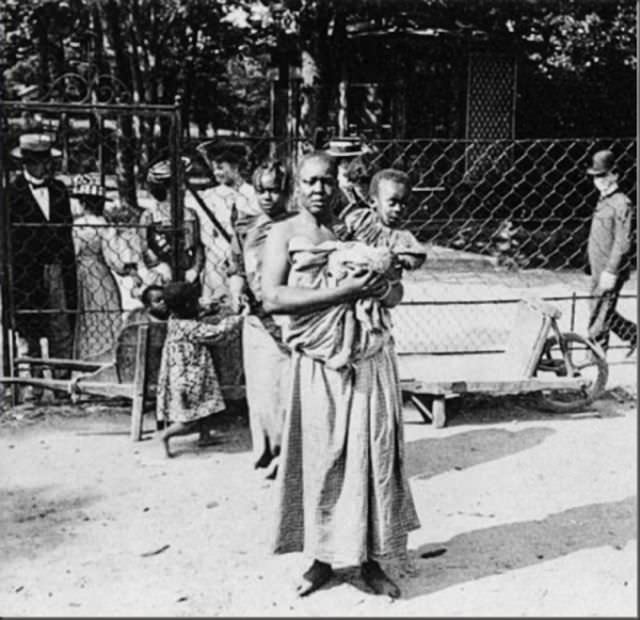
[318, 308]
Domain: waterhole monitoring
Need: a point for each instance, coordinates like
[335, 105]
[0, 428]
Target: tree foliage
[577, 58]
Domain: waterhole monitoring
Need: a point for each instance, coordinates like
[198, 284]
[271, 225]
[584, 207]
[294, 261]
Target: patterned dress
[342, 496]
[188, 386]
[99, 301]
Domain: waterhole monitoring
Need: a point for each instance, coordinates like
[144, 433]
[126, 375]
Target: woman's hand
[364, 283]
[239, 298]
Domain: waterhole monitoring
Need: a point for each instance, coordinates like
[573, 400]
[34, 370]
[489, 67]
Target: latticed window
[491, 91]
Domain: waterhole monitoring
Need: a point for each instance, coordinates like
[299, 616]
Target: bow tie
[37, 185]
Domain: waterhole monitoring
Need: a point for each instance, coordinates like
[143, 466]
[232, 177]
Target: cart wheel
[586, 359]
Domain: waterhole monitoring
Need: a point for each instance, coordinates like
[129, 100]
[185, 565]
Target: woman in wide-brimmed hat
[99, 299]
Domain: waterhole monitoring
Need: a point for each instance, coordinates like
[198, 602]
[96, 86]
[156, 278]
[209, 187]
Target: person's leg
[602, 309]
[624, 329]
[317, 575]
[205, 429]
[32, 339]
[609, 320]
[258, 386]
[59, 332]
[377, 579]
[176, 429]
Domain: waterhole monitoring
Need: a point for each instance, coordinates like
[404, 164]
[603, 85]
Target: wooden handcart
[564, 369]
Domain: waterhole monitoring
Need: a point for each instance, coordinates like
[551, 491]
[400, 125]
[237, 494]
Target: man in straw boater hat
[352, 157]
[42, 252]
[609, 254]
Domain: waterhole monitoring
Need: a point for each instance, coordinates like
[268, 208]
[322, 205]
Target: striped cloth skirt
[342, 496]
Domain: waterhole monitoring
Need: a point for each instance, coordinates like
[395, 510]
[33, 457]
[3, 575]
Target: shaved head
[317, 156]
[315, 182]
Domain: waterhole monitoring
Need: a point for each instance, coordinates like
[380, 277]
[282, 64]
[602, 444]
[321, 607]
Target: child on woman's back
[189, 392]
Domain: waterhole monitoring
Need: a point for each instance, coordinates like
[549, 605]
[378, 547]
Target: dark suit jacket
[43, 242]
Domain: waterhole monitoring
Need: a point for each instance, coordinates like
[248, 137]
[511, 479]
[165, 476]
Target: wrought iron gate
[103, 134]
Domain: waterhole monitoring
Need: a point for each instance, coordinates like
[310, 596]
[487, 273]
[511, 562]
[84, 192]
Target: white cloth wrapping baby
[345, 333]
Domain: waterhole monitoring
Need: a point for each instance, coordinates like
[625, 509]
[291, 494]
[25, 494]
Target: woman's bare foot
[318, 574]
[264, 460]
[165, 443]
[377, 579]
[272, 472]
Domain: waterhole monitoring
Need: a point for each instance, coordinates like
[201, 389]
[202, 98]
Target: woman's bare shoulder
[285, 228]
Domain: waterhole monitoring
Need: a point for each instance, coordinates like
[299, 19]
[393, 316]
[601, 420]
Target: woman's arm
[110, 253]
[148, 255]
[211, 333]
[278, 298]
[193, 241]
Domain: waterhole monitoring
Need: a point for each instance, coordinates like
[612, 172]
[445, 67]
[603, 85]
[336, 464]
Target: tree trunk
[125, 142]
[40, 32]
[316, 74]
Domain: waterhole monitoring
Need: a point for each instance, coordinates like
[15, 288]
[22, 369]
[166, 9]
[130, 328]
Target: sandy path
[522, 514]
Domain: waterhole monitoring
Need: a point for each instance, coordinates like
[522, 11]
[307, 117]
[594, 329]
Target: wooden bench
[132, 372]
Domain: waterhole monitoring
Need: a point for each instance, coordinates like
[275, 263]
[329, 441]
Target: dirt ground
[523, 514]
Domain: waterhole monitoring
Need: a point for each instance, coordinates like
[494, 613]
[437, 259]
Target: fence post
[573, 311]
[7, 331]
[4, 256]
[177, 211]
[101, 148]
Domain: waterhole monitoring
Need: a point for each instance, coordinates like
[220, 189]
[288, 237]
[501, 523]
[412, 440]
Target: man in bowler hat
[42, 253]
[609, 254]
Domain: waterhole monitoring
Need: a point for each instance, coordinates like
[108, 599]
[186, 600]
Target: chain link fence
[77, 268]
[501, 219]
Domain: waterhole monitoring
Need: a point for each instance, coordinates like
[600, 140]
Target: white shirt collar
[33, 180]
[612, 189]
[40, 193]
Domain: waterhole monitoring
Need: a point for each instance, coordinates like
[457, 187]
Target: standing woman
[99, 300]
[342, 495]
[266, 359]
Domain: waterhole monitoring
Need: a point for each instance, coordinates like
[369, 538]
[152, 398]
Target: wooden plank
[514, 386]
[60, 385]
[439, 412]
[139, 382]
[105, 388]
[526, 339]
[70, 364]
[422, 409]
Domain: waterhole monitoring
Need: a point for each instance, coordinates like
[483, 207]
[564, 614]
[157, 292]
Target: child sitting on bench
[189, 392]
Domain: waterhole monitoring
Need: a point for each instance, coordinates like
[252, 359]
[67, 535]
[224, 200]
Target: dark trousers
[604, 317]
[54, 325]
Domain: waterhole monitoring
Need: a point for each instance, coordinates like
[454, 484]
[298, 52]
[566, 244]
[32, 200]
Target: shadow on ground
[488, 409]
[503, 548]
[495, 550]
[25, 511]
[429, 457]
